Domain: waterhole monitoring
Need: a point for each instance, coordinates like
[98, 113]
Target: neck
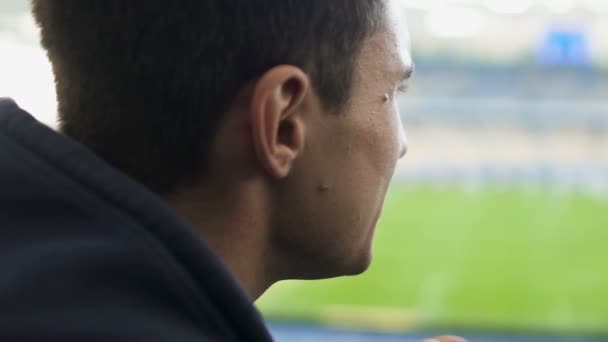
[236, 228]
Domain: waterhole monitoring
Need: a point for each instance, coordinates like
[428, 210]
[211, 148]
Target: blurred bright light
[425, 5]
[560, 6]
[26, 27]
[27, 77]
[457, 22]
[508, 6]
[597, 5]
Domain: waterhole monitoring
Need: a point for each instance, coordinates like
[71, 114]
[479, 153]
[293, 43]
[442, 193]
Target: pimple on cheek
[385, 98]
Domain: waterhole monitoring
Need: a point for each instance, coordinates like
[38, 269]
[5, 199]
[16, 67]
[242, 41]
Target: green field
[498, 258]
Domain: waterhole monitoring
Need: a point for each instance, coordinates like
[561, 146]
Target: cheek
[386, 146]
[366, 175]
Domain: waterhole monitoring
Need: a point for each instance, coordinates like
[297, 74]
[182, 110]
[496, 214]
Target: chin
[338, 267]
[360, 265]
[328, 260]
[349, 266]
[359, 259]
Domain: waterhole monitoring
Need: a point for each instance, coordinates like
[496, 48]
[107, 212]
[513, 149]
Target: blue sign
[565, 47]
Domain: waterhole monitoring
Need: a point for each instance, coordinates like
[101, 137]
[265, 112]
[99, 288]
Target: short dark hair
[144, 84]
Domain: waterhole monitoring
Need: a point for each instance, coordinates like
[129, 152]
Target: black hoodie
[87, 254]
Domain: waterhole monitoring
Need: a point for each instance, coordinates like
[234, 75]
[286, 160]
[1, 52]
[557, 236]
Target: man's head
[285, 105]
[156, 77]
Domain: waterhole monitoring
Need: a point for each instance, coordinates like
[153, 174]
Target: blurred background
[496, 226]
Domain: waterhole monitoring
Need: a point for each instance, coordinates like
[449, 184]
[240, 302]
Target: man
[207, 149]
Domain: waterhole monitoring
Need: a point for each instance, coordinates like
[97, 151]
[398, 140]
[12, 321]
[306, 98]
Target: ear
[277, 126]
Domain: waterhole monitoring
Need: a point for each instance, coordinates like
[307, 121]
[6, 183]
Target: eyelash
[403, 88]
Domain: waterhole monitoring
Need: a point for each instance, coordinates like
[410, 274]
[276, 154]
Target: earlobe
[278, 128]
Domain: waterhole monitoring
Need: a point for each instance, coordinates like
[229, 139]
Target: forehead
[396, 22]
[390, 46]
[398, 32]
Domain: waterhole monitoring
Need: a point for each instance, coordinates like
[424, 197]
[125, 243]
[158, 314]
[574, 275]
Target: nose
[403, 148]
[403, 143]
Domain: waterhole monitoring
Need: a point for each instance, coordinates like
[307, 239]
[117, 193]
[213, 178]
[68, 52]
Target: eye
[403, 88]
